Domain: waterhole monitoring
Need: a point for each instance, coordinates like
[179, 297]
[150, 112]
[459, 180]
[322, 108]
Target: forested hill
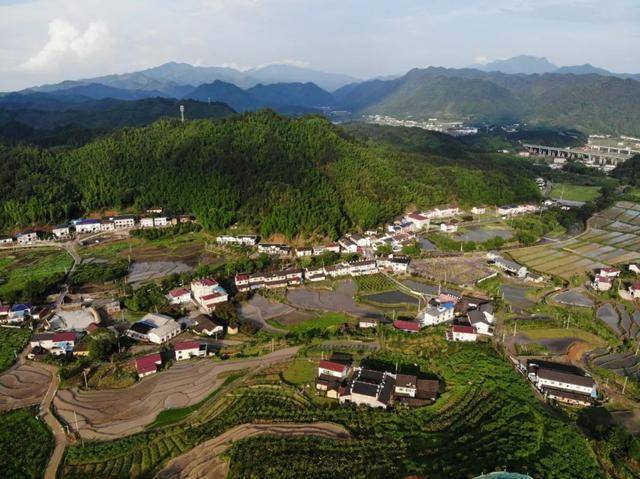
[281, 175]
[46, 119]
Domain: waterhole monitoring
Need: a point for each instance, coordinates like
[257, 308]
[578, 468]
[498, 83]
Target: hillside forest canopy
[275, 174]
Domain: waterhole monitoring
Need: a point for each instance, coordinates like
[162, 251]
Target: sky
[46, 41]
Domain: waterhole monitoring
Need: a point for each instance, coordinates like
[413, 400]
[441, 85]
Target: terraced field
[115, 413]
[23, 386]
[613, 238]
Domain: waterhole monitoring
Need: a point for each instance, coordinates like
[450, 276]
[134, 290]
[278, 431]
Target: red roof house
[148, 364]
[176, 293]
[66, 337]
[408, 326]
[463, 328]
[185, 345]
[333, 366]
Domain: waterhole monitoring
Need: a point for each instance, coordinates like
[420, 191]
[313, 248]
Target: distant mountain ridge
[530, 65]
[171, 78]
[580, 97]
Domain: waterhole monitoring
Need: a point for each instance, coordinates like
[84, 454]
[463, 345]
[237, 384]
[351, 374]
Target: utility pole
[624, 386]
[182, 113]
[84, 372]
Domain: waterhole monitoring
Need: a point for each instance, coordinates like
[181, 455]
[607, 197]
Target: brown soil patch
[23, 386]
[577, 350]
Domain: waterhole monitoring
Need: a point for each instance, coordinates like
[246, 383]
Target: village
[322, 314]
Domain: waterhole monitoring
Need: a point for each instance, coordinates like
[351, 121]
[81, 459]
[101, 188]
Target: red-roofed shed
[148, 364]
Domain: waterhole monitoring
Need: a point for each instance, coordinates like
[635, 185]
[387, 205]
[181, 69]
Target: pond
[480, 234]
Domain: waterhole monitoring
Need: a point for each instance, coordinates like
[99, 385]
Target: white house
[406, 385]
[160, 221]
[146, 222]
[107, 225]
[602, 283]
[245, 240]
[394, 263]
[347, 245]
[189, 349]
[361, 268]
[448, 228]
[26, 237]
[462, 332]
[632, 267]
[336, 270]
[562, 382]
[179, 296]
[274, 249]
[155, 328]
[480, 322]
[367, 323]
[420, 221]
[634, 289]
[334, 369]
[7, 240]
[508, 266]
[208, 293]
[478, 210]
[123, 222]
[609, 272]
[61, 231]
[433, 315]
[302, 252]
[87, 226]
[359, 240]
[314, 274]
[443, 211]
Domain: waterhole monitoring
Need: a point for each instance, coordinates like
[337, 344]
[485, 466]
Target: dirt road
[53, 423]
[111, 414]
[204, 461]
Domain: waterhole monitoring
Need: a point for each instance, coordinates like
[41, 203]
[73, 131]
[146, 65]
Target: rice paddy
[613, 238]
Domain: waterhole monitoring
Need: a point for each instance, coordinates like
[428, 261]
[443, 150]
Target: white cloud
[482, 59]
[67, 45]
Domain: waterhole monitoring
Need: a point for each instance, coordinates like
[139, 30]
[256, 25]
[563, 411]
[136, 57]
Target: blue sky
[45, 41]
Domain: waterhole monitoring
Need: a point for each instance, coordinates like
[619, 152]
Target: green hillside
[591, 103]
[278, 174]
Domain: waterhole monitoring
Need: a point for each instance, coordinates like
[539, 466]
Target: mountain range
[568, 97]
[530, 65]
[176, 79]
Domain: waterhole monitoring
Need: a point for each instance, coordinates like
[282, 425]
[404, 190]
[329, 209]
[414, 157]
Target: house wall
[561, 385]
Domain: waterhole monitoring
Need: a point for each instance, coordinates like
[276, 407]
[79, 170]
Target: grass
[20, 267]
[25, 443]
[571, 192]
[560, 333]
[374, 283]
[582, 320]
[301, 371]
[12, 341]
[325, 321]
